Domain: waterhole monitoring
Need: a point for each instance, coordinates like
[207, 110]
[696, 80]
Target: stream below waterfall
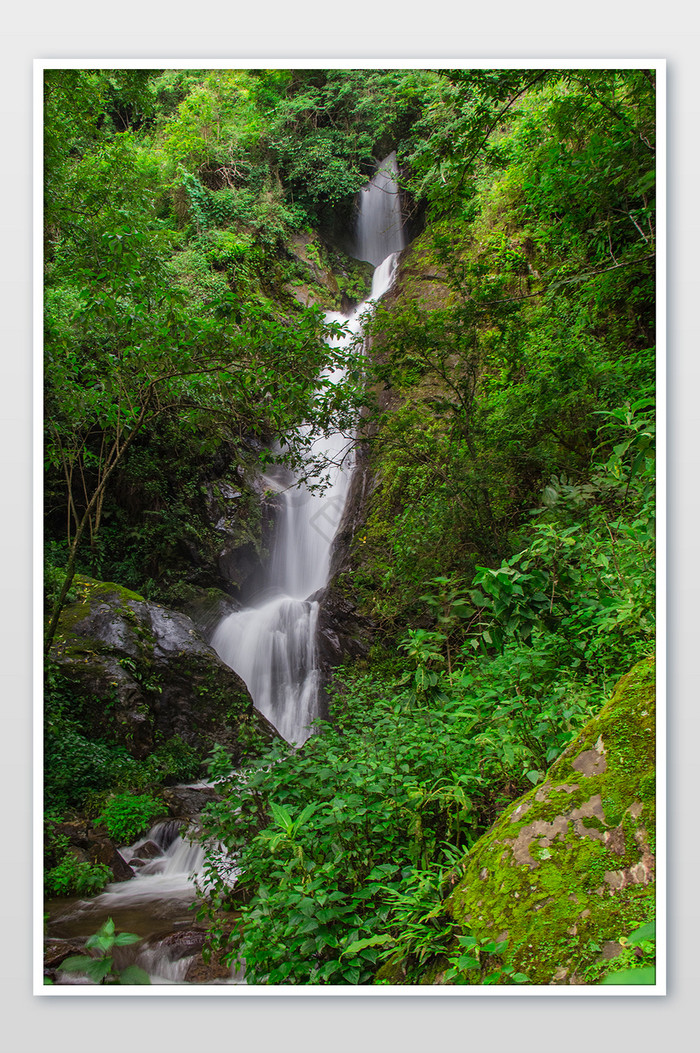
[271, 644]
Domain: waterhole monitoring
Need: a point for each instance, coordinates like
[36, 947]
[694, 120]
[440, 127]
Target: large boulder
[242, 518]
[142, 674]
[325, 275]
[568, 869]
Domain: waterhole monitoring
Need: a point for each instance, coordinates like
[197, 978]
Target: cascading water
[379, 229]
[271, 644]
[156, 903]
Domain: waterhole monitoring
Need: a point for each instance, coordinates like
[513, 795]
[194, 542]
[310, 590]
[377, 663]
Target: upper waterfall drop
[271, 643]
[379, 228]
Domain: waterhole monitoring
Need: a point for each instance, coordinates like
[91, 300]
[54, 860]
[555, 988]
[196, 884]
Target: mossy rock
[568, 869]
[142, 674]
[326, 277]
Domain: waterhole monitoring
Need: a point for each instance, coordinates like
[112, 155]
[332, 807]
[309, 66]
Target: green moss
[90, 593]
[569, 867]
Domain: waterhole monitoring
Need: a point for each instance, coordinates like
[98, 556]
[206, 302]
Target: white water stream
[271, 644]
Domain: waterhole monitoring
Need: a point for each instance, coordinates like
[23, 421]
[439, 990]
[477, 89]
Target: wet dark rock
[148, 850]
[245, 519]
[80, 855]
[343, 631]
[184, 943]
[141, 673]
[210, 608]
[102, 850]
[56, 951]
[88, 843]
[166, 832]
[76, 830]
[184, 801]
[237, 564]
[199, 972]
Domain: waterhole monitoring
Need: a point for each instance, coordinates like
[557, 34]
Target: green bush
[126, 816]
[72, 877]
[77, 767]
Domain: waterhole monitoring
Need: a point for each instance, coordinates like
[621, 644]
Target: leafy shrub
[73, 877]
[126, 816]
[219, 764]
[76, 766]
[636, 964]
[100, 967]
[172, 761]
[339, 842]
[480, 961]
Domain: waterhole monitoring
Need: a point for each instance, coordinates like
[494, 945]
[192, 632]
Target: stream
[271, 644]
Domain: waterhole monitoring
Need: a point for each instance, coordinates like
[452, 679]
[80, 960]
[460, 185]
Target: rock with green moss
[325, 276]
[568, 869]
[142, 675]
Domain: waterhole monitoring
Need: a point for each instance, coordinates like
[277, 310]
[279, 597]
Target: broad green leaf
[98, 969]
[134, 974]
[645, 932]
[644, 975]
[371, 941]
[125, 938]
[76, 963]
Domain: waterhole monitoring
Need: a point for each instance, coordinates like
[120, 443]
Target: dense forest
[486, 637]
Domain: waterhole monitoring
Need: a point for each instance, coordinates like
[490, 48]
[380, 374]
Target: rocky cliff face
[343, 631]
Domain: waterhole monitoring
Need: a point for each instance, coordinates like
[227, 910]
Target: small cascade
[155, 904]
[271, 643]
[165, 863]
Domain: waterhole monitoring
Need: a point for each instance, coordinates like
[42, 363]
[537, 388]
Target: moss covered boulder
[141, 675]
[568, 869]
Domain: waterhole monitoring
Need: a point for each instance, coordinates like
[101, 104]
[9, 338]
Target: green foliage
[524, 313]
[73, 877]
[330, 126]
[342, 846]
[476, 963]
[149, 329]
[636, 963]
[99, 966]
[337, 844]
[80, 768]
[219, 764]
[75, 766]
[508, 555]
[126, 816]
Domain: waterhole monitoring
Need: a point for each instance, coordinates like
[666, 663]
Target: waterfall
[271, 643]
[379, 229]
[156, 903]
